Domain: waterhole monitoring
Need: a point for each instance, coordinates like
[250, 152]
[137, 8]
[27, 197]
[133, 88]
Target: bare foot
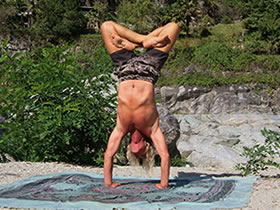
[161, 187]
[114, 185]
[156, 41]
[123, 43]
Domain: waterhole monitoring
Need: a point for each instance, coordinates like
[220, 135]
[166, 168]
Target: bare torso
[136, 106]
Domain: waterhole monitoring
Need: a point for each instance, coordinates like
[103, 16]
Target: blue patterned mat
[74, 190]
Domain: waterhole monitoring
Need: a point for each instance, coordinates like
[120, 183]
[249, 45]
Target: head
[140, 148]
[137, 144]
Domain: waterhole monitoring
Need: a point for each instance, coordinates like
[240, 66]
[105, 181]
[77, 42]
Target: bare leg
[163, 38]
[111, 29]
[112, 148]
[117, 37]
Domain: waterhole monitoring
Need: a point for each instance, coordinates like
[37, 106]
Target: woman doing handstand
[137, 75]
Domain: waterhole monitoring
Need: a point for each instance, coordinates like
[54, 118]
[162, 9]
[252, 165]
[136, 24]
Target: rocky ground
[265, 195]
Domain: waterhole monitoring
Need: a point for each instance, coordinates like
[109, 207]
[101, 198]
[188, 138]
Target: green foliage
[210, 79]
[182, 12]
[10, 21]
[179, 57]
[178, 162]
[226, 20]
[229, 11]
[56, 19]
[263, 22]
[58, 104]
[98, 14]
[220, 57]
[232, 34]
[138, 15]
[262, 156]
[268, 63]
[218, 60]
[175, 161]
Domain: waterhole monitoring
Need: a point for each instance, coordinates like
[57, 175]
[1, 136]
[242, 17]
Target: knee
[174, 26]
[107, 25]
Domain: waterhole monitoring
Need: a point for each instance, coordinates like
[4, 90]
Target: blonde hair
[147, 159]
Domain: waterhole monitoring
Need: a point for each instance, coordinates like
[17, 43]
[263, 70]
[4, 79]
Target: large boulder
[222, 100]
[218, 140]
[170, 128]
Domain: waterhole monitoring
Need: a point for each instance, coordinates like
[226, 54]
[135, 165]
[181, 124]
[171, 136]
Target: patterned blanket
[84, 190]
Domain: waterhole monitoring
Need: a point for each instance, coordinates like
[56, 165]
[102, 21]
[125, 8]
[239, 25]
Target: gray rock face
[215, 124]
[232, 99]
[17, 44]
[218, 140]
[170, 129]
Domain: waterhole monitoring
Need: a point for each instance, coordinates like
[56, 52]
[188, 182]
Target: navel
[133, 86]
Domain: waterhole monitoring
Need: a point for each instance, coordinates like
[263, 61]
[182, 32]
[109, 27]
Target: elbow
[165, 156]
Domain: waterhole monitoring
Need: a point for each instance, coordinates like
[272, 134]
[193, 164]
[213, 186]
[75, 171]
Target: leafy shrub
[263, 22]
[178, 162]
[256, 46]
[58, 110]
[97, 15]
[179, 57]
[182, 12]
[220, 57]
[226, 20]
[268, 62]
[262, 156]
[58, 19]
[11, 22]
[229, 10]
[138, 15]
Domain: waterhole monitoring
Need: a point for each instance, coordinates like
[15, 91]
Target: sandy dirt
[265, 196]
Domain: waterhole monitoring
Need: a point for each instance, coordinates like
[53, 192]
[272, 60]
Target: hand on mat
[161, 187]
[114, 185]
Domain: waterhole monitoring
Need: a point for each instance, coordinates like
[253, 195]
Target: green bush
[268, 62]
[179, 57]
[262, 156]
[58, 109]
[263, 22]
[138, 15]
[178, 162]
[229, 10]
[226, 20]
[11, 22]
[97, 15]
[182, 12]
[220, 57]
[58, 19]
